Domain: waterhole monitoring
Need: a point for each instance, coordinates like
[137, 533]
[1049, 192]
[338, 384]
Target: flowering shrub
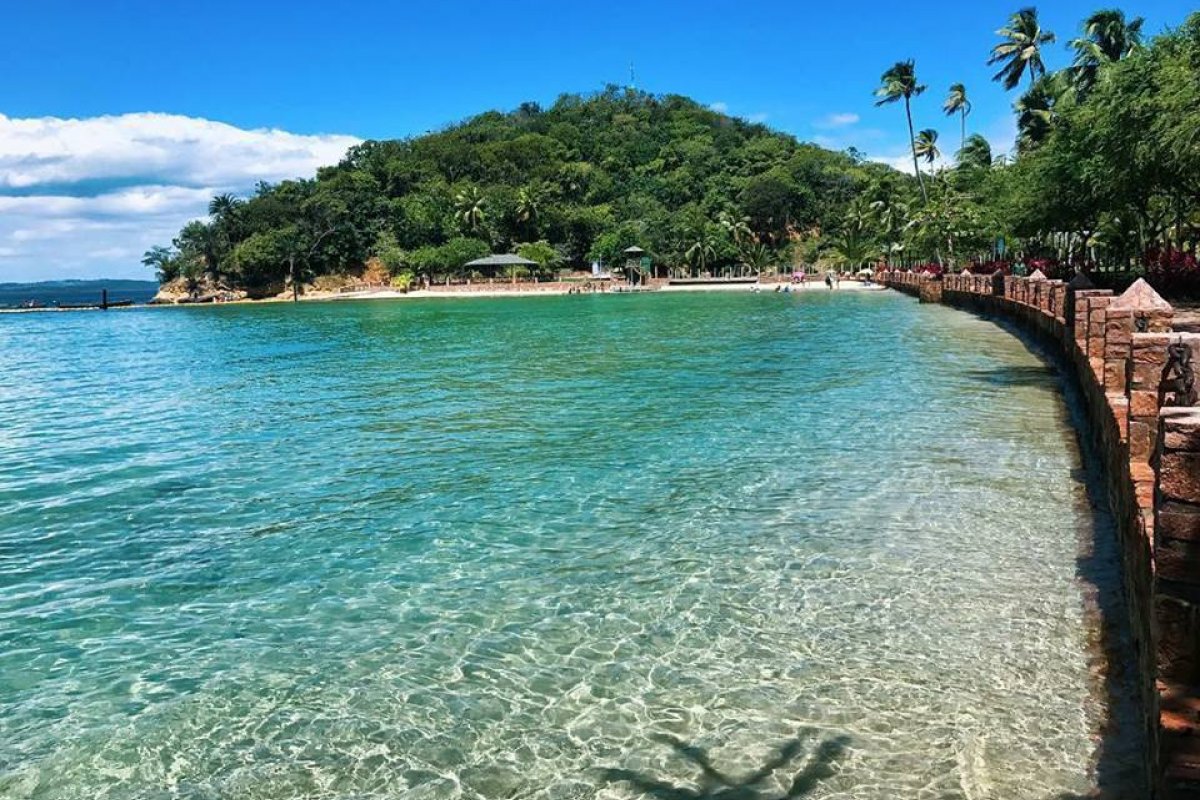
[929, 269]
[989, 268]
[1050, 267]
[1173, 273]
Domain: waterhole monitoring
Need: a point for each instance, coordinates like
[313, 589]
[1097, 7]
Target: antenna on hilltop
[632, 82]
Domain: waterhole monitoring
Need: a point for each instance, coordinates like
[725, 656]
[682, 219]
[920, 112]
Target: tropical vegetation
[1104, 176]
[580, 181]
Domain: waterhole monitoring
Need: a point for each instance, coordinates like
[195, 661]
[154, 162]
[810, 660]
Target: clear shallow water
[515, 548]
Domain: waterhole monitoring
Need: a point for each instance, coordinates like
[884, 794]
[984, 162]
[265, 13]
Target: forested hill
[568, 184]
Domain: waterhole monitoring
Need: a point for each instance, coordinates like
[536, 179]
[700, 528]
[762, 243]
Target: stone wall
[1135, 381]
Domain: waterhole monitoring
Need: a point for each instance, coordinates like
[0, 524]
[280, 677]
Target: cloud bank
[86, 197]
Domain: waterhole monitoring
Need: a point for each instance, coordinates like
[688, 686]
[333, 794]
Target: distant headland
[75, 293]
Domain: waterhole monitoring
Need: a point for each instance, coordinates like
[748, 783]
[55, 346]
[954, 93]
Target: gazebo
[636, 263]
[491, 265]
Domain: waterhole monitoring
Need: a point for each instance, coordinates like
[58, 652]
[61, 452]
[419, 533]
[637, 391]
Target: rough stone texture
[1181, 429]
[1176, 560]
[1141, 296]
[1178, 625]
[930, 289]
[1179, 476]
[1179, 521]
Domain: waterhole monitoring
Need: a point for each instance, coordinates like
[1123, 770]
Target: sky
[119, 120]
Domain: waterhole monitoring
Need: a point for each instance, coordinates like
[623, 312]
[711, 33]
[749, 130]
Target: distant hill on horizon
[74, 292]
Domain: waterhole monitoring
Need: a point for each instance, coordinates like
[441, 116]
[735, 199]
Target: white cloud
[158, 147]
[903, 163]
[841, 120]
[759, 117]
[85, 197]
[719, 107]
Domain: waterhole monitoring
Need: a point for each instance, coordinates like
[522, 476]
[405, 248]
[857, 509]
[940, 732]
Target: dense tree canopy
[581, 180]
[1106, 171]
[1108, 166]
[1105, 175]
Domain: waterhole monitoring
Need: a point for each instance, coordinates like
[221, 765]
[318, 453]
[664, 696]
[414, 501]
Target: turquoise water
[545, 547]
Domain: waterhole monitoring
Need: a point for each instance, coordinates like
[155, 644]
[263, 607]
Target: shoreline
[421, 294]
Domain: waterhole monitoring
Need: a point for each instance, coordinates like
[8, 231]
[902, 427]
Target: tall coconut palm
[528, 208]
[528, 204]
[224, 209]
[925, 145]
[1021, 51]
[957, 103]
[468, 207]
[976, 153]
[1107, 37]
[1035, 110]
[900, 83]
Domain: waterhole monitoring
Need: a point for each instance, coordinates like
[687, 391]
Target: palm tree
[529, 200]
[224, 209]
[925, 145]
[852, 249]
[891, 216]
[468, 207]
[701, 250]
[859, 213]
[1035, 111]
[163, 260]
[1021, 50]
[737, 227]
[223, 206]
[900, 82]
[756, 258]
[1107, 38]
[957, 103]
[976, 153]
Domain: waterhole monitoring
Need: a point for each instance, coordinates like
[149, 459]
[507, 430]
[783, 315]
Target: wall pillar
[930, 290]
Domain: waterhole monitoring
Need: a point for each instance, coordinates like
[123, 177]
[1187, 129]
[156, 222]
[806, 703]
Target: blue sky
[268, 90]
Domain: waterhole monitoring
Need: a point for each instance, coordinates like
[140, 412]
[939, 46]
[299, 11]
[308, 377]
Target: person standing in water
[828, 282]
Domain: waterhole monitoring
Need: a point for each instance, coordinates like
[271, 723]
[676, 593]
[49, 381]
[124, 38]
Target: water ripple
[554, 548]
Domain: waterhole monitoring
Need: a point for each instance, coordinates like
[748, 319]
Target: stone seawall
[1135, 376]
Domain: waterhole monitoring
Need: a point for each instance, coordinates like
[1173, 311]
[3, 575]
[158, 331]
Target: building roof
[633, 251]
[502, 260]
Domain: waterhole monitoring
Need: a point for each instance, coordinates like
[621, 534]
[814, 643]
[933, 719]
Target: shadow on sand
[717, 785]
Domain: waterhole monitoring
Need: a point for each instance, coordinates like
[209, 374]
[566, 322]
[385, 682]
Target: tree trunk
[912, 146]
[295, 286]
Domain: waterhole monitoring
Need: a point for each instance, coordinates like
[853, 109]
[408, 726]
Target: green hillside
[575, 182]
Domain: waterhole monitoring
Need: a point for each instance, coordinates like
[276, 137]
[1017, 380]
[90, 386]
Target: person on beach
[828, 282]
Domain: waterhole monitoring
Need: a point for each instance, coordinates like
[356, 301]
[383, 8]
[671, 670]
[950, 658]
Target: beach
[554, 289]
